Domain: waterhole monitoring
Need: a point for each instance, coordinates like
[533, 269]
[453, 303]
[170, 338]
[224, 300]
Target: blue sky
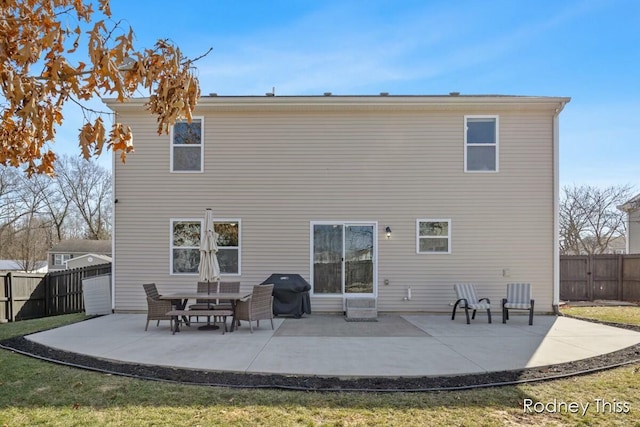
[587, 50]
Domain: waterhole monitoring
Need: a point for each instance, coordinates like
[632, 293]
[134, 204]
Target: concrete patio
[327, 345]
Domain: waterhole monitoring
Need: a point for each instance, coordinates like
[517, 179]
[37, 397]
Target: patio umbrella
[208, 268]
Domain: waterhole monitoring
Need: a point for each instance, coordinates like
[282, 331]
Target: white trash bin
[96, 292]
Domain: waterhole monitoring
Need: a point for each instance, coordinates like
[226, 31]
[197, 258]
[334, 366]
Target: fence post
[47, 295]
[10, 314]
[6, 300]
[620, 277]
[589, 278]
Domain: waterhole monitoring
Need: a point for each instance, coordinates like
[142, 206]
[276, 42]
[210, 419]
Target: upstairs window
[187, 145]
[481, 144]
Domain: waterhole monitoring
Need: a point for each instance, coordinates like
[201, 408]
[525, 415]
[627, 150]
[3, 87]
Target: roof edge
[631, 205]
[357, 101]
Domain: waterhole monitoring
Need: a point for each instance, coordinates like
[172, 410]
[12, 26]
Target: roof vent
[327, 94]
[384, 93]
[454, 93]
[213, 94]
[269, 94]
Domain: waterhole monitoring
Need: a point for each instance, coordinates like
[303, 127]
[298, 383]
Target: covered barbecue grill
[290, 294]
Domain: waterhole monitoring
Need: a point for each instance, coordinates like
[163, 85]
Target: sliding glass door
[344, 258]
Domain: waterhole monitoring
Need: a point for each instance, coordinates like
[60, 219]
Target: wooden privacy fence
[358, 274]
[600, 277]
[29, 296]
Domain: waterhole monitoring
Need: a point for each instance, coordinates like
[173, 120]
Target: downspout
[627, 239]
[114, 201]
[556, 208]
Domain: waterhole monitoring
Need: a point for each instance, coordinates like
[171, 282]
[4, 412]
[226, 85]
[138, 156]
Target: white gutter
[627, 235]
[556, 206]
[114, 256]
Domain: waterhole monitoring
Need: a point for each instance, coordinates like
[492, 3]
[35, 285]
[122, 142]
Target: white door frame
[344, 295]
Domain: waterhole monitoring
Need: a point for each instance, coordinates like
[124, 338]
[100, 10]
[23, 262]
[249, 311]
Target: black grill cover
[290, 294]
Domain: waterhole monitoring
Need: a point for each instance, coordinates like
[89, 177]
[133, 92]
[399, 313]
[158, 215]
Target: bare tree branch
[589, 218]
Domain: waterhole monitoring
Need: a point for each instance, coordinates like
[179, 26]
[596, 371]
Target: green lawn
[624, 314]
[33, 392]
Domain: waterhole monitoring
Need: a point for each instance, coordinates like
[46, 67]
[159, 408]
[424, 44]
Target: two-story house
[632, 209]
[391, 197]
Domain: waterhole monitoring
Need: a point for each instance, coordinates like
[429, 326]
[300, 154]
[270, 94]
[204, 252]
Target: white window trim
[64, 257]
[418, 237]
[200, 220]
[497, 143]
[172, 146]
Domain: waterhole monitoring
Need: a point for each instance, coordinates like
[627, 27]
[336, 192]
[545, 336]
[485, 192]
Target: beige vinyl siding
[277, 171]
[633, 234]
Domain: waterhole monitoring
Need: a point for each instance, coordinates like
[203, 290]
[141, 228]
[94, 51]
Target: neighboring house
[61, 253]
[632, 208]
[467, 186]
[617, 245]
[87, 260]
[18, 266]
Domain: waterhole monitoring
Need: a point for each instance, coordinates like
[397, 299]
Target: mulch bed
[312, 383]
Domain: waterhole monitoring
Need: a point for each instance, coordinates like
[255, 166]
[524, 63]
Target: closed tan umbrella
[209, 268]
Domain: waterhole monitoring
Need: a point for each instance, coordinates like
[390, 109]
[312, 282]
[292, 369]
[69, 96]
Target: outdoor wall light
[388, 231]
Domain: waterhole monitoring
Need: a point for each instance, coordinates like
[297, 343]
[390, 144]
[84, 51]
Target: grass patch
[629, 315]
[25, 327]
[33, 392]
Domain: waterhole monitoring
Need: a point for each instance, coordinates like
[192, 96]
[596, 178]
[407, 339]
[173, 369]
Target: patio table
[180, 299]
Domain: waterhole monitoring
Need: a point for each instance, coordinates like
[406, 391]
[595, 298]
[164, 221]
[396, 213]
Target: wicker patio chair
[226, 287]
[204, 287]
[467, 299]
[518, 298]
[156, 308]
[215, 287]
[204, 304]
[258, 307]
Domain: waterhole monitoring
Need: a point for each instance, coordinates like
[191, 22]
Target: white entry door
[344, 259]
